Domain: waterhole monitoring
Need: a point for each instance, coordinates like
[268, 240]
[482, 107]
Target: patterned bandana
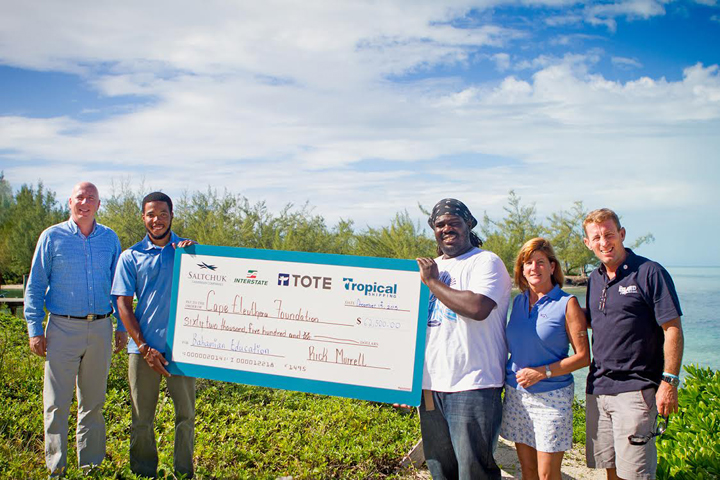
[452, 207]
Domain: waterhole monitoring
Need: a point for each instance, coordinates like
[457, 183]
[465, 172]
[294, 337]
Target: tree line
[228, 219]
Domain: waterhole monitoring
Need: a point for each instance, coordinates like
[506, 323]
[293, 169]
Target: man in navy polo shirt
[634, 313]
[145, 270]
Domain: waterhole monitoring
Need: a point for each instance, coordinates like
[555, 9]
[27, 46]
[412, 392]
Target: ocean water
[699, 292]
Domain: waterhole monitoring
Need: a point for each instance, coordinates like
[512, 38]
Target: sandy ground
[573, 467]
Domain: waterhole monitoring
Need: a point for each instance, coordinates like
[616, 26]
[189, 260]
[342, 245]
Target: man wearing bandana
[465, 354]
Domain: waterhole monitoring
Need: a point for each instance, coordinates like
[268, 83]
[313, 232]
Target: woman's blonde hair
[531, 246]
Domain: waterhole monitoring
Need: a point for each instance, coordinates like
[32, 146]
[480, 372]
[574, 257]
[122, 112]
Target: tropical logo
[371, 289]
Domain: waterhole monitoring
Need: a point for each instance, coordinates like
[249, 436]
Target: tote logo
[371, 289]
[305, 281]
[628, 289]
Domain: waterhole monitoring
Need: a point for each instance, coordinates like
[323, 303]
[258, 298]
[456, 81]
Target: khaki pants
[78, 353]
[144, 392]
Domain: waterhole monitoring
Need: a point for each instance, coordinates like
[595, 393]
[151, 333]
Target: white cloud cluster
[340, 104]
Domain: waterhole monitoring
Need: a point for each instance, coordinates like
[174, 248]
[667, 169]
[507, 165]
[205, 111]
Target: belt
[90, 317]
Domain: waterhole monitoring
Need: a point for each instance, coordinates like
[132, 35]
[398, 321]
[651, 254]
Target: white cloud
[625, 63]
[502, 61]
[285, 102]
[606, 13]
[574, 39]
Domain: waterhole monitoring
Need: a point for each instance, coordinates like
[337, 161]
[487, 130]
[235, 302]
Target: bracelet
[142, 345]
[665, 374]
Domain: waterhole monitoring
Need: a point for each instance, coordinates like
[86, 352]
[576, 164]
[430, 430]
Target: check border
[293, 383]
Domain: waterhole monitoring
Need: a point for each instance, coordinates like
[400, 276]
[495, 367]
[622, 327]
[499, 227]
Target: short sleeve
[489, 277]
[125, 276]
[665, 301]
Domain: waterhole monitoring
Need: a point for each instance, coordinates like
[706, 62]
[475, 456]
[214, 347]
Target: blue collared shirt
[145, 270]
[537, 337]
[71, 274]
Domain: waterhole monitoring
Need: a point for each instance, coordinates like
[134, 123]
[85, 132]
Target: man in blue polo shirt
[634, 313]
[71, 273]
[145, 270]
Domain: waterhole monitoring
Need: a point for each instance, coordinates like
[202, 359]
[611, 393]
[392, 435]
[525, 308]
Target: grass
[241, 432]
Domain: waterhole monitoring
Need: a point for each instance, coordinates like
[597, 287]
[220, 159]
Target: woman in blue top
[537, 413]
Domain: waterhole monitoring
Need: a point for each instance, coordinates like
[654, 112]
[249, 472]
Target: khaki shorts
[610, 419]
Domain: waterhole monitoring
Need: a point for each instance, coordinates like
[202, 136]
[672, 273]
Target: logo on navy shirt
[628, 289]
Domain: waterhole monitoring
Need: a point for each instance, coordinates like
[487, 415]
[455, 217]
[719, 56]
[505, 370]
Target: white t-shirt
[462, 353]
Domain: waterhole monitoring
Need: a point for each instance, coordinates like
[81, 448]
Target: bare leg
[612, 474]
[528, 457]
[549, 465]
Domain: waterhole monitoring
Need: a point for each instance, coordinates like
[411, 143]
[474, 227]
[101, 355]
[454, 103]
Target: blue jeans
[460, 434]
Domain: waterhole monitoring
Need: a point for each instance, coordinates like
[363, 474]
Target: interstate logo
[251, 279]
[370, 289]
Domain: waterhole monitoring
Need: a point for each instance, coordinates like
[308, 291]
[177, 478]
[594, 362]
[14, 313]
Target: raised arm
[463, 302]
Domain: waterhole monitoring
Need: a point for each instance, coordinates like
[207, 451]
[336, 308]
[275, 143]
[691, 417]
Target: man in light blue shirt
[145, 270]
[71, 275]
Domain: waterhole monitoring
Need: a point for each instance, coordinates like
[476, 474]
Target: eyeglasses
[661, 422]
[603, 298]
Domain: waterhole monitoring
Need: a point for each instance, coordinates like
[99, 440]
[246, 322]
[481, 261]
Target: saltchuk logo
[371, 289]
[207, 277]
[305, 281]
[251, 278]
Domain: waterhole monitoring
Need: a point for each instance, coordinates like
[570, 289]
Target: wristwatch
[671, 379]
[548, 373]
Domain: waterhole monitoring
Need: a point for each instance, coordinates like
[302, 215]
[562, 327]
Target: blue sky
[368, 108]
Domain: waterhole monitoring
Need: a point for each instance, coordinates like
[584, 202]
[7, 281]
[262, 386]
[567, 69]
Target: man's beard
[161, 236]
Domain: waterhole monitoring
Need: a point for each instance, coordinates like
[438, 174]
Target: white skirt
[540, 420]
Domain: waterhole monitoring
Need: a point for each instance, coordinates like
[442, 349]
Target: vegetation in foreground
[690, 447]
[245, 432]
[241, 431]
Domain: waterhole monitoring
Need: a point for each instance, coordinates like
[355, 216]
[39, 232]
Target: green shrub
[578, 407]
[690, 448]
[241, 432]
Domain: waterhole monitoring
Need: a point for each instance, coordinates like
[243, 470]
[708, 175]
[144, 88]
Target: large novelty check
[329, 324]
